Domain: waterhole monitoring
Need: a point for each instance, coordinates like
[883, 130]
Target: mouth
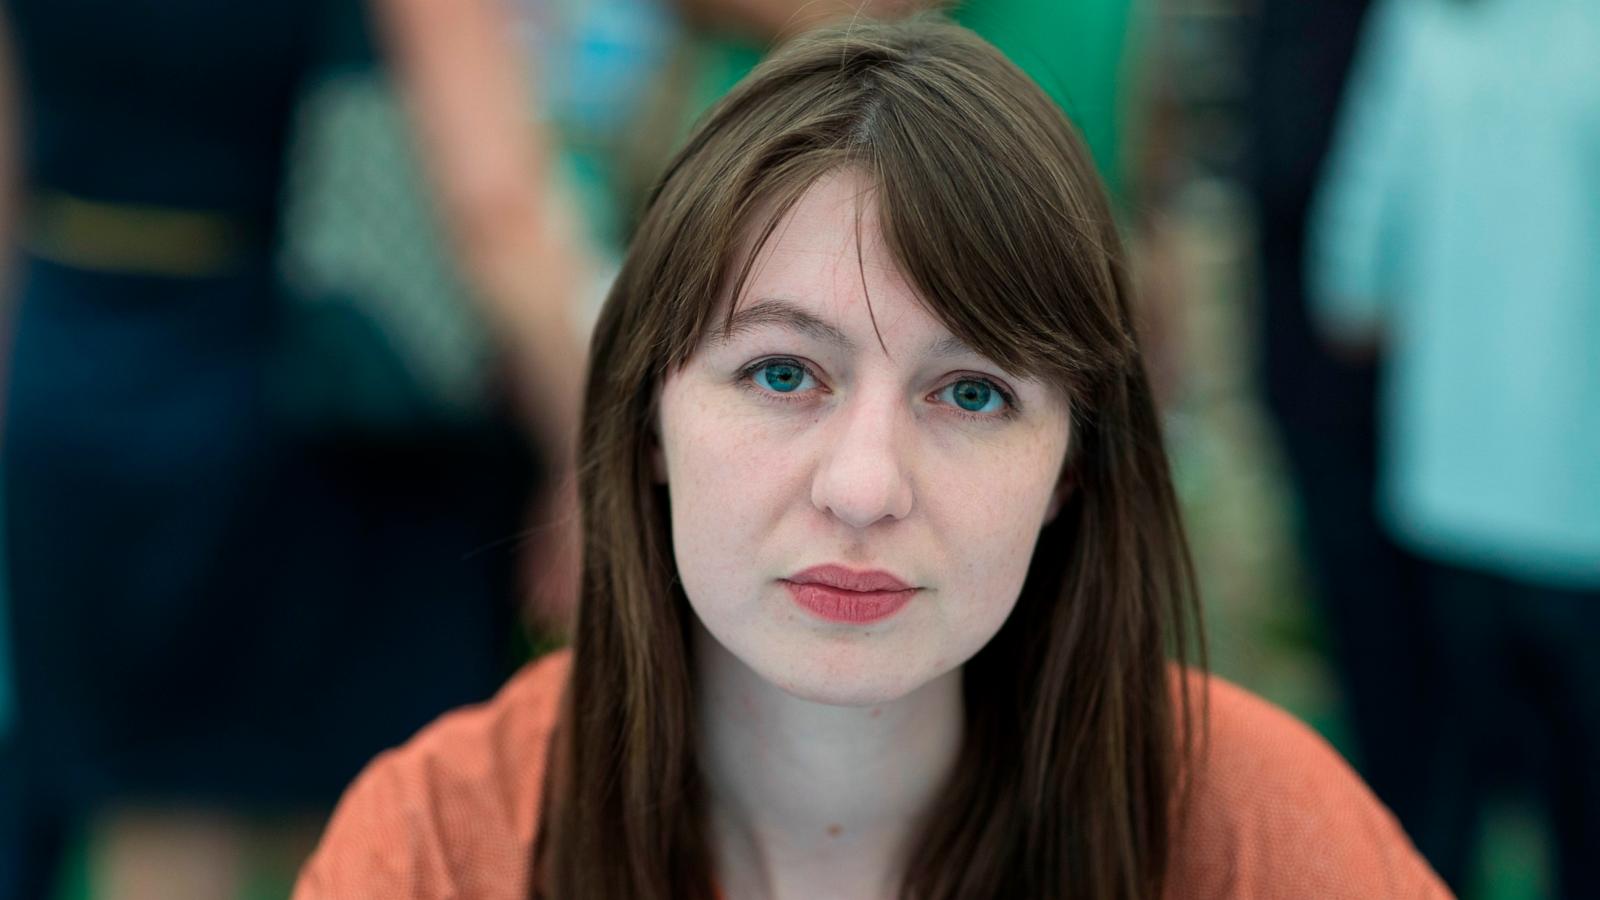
[849, 596]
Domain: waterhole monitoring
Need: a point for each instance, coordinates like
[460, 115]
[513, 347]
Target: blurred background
[295, 296]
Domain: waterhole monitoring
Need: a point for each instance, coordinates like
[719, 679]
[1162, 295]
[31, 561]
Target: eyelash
[747, 381]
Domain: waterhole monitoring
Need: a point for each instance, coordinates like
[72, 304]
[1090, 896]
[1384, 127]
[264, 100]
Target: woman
[882, 560]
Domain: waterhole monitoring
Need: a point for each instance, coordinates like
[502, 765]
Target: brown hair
[1068, 779]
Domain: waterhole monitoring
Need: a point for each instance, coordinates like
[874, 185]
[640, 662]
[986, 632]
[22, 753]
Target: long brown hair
[1068, 778]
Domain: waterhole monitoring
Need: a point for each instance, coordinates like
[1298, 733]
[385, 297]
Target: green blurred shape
[1077, 52]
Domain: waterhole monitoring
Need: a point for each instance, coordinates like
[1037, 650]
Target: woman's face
[851, 519]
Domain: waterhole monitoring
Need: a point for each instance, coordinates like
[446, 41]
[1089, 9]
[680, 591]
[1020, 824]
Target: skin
[825, 742]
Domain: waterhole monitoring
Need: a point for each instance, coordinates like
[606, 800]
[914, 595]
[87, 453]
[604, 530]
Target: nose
[863, 477]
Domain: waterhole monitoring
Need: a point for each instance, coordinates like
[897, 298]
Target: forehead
[826, 270]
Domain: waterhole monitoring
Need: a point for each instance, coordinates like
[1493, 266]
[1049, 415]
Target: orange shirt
[452, 814]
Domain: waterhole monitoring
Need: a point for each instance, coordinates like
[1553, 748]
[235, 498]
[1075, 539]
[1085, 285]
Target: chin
[866, 677]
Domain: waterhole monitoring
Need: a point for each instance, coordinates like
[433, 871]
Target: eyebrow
[782, 314]
[771, 311]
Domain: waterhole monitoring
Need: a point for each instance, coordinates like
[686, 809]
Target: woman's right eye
[780, 376]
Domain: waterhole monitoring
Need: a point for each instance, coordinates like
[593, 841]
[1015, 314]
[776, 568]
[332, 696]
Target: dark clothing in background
[32, 843]
[208, 605]
[180, 103]
[1369, 591]
[206, 608]
[1524, 701]
[1300, 57]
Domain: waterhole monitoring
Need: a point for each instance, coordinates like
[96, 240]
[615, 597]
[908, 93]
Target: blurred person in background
[217, 618]
[1324, 403]
[1458, 232]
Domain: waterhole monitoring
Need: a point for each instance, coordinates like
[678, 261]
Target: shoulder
[452, 812]
[1274, 811]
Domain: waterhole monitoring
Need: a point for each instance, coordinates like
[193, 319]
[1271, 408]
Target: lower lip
[849, 607]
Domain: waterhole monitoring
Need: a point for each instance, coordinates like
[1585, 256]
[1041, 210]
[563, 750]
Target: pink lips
[838, 594]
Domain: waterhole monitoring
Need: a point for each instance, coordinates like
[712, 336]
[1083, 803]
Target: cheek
[991, 526]
[990, 554]
[713, 466]
[1003, 488]
[724, 485]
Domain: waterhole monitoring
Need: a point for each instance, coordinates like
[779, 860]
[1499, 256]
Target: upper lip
[849, 579]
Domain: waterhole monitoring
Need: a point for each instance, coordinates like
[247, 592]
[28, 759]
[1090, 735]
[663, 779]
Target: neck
[809, 800]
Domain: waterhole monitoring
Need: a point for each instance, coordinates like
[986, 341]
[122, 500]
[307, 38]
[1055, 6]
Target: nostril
[862, 478]
[860, 493]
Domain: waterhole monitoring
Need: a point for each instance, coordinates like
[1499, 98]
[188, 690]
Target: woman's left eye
[975, 396]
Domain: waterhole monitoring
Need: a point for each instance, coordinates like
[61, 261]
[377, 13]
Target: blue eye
[782, 376]
[975, 396]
